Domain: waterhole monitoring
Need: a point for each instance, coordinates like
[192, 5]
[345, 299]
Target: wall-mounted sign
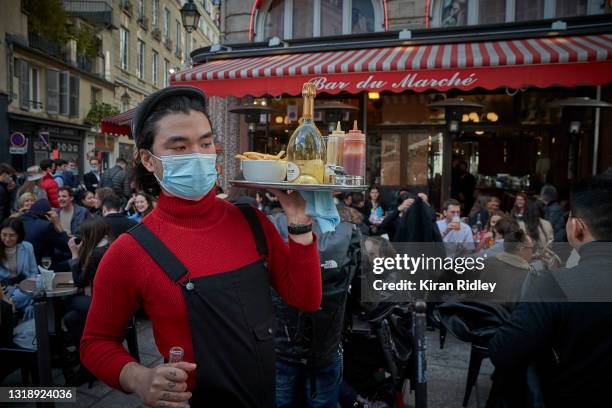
[19, 143]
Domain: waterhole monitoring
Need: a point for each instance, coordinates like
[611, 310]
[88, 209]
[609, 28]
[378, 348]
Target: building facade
[52, 94]
[516, 142]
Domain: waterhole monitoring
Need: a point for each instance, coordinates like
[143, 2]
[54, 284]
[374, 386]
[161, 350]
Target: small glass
[45, 262]
[176, 354]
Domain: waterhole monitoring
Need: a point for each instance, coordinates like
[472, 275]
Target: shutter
[24, 85]
[52, 92]
[64, 93]
[74, 96]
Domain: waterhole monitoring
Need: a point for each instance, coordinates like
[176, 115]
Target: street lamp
[454, 110]
[190, 16]
[572, 119]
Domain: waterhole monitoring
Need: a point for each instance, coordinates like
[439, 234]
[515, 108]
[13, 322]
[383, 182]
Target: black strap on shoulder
[256, 229]
[159, 252]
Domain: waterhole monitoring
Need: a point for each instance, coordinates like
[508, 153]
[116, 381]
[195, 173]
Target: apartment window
[303, 17]
[166, 22]
[124, 45]
[64, 93]
[141, 9]
[73, 98]
[166, 72]
[141, 60]
[96, 95]
[274, 23]
[331, 17]
[529, 10]
[154, 61]
[52, 82]
[154, 11]
[571, 8]
[178, 36]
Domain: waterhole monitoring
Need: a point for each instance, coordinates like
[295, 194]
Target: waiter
[201, 268]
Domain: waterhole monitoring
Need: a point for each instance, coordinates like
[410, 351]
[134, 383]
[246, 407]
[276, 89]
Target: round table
[63, 285]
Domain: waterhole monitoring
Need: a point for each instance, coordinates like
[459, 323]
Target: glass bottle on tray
[306, 151]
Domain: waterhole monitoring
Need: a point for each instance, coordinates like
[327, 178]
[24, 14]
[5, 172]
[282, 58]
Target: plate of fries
[260, 156]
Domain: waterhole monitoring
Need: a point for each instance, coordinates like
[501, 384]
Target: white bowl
[272, 171]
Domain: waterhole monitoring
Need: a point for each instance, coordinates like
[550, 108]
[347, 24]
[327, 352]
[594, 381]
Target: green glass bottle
[306, 151]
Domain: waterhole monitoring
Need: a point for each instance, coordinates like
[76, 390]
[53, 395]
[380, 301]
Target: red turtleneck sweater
[209, 236]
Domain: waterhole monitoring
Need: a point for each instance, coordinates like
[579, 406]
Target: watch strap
[298, 229]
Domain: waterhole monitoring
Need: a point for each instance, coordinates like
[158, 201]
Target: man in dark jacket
[92, 179]
[117, 179]
[111, 210]
[553, 212]
[564, 327]
[70, 214]
[43, 230]
[309, 359]
[6, 180]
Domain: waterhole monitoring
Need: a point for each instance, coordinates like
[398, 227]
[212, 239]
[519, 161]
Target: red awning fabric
[119, 124]
[540, 62]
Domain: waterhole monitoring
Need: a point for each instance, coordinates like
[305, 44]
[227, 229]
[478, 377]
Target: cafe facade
[516, 140]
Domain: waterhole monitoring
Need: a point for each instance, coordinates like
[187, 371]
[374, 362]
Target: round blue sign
[18, 139]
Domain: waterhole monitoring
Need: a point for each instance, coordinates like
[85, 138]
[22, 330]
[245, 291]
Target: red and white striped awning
[119, 124]
[539, 62]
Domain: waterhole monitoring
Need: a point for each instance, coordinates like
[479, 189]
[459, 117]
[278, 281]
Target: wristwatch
[298, 229]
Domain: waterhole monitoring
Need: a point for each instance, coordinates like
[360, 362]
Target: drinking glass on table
[45, 262]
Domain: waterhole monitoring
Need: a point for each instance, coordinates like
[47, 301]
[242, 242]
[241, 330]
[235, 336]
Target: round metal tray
[283, 185]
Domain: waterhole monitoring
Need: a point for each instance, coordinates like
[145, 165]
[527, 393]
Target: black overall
[232, 320]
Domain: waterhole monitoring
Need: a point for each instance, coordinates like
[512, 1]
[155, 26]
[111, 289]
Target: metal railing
[47, 46]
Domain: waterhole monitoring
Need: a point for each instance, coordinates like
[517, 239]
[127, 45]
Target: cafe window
[491, 11]
[529, 10]
[289, 19]
[571, 8]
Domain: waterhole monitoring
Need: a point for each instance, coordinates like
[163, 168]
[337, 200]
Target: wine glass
[45, 261]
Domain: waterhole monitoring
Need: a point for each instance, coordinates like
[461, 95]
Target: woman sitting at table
[520, 204]
[96, 236]
[139, 206]
[17, 262]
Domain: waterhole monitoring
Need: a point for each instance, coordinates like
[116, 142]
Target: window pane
[454, 13]
[302, 19]
[275, 20]
[363, 16]
[390, 148]
[331, 17]
[571, 8]
[492, 11]
[529, 10]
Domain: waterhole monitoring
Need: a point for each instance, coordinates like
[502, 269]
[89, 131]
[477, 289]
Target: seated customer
[44, 231]
[17, 262]
[111, 210]
[454, 231]
[140, 205]
[96, 237]
[565, 326]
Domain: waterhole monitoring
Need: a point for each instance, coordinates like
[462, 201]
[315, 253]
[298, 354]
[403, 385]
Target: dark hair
[591, 201]
[548, 192]
[94, 158]
[66, 189]
[149, 199]
[450, 201]
[515, 209]
[505, 226]
[121, 160]
[104, 192]
[46, 164]
[143, 179]
[6, 168]
[532, 216]
[513, 239]
[60, 162]
[112, 202]
[92, 231]
[16, 225]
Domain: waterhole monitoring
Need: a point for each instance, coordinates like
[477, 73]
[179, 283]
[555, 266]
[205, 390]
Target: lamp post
[572, 119]
[453, 111]
[190, 16]
[252, 114]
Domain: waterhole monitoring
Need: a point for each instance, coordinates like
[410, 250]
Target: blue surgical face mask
[188, 176]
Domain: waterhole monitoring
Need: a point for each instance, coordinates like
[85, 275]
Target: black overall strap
[159, 252]
[256, 229]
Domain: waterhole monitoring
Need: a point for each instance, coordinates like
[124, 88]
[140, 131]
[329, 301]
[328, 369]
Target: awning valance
[119, 124]
[540, 62]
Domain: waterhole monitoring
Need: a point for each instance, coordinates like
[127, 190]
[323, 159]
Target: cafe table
[63, 286]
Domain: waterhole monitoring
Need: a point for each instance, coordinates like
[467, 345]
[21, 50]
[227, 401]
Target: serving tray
[283, 185]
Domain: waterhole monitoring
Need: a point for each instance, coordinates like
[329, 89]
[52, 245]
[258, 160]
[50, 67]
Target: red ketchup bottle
[354, 152]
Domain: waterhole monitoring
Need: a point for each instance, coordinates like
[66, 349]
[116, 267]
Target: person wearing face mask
[563, 325]
[92, 179]
[201, 269]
